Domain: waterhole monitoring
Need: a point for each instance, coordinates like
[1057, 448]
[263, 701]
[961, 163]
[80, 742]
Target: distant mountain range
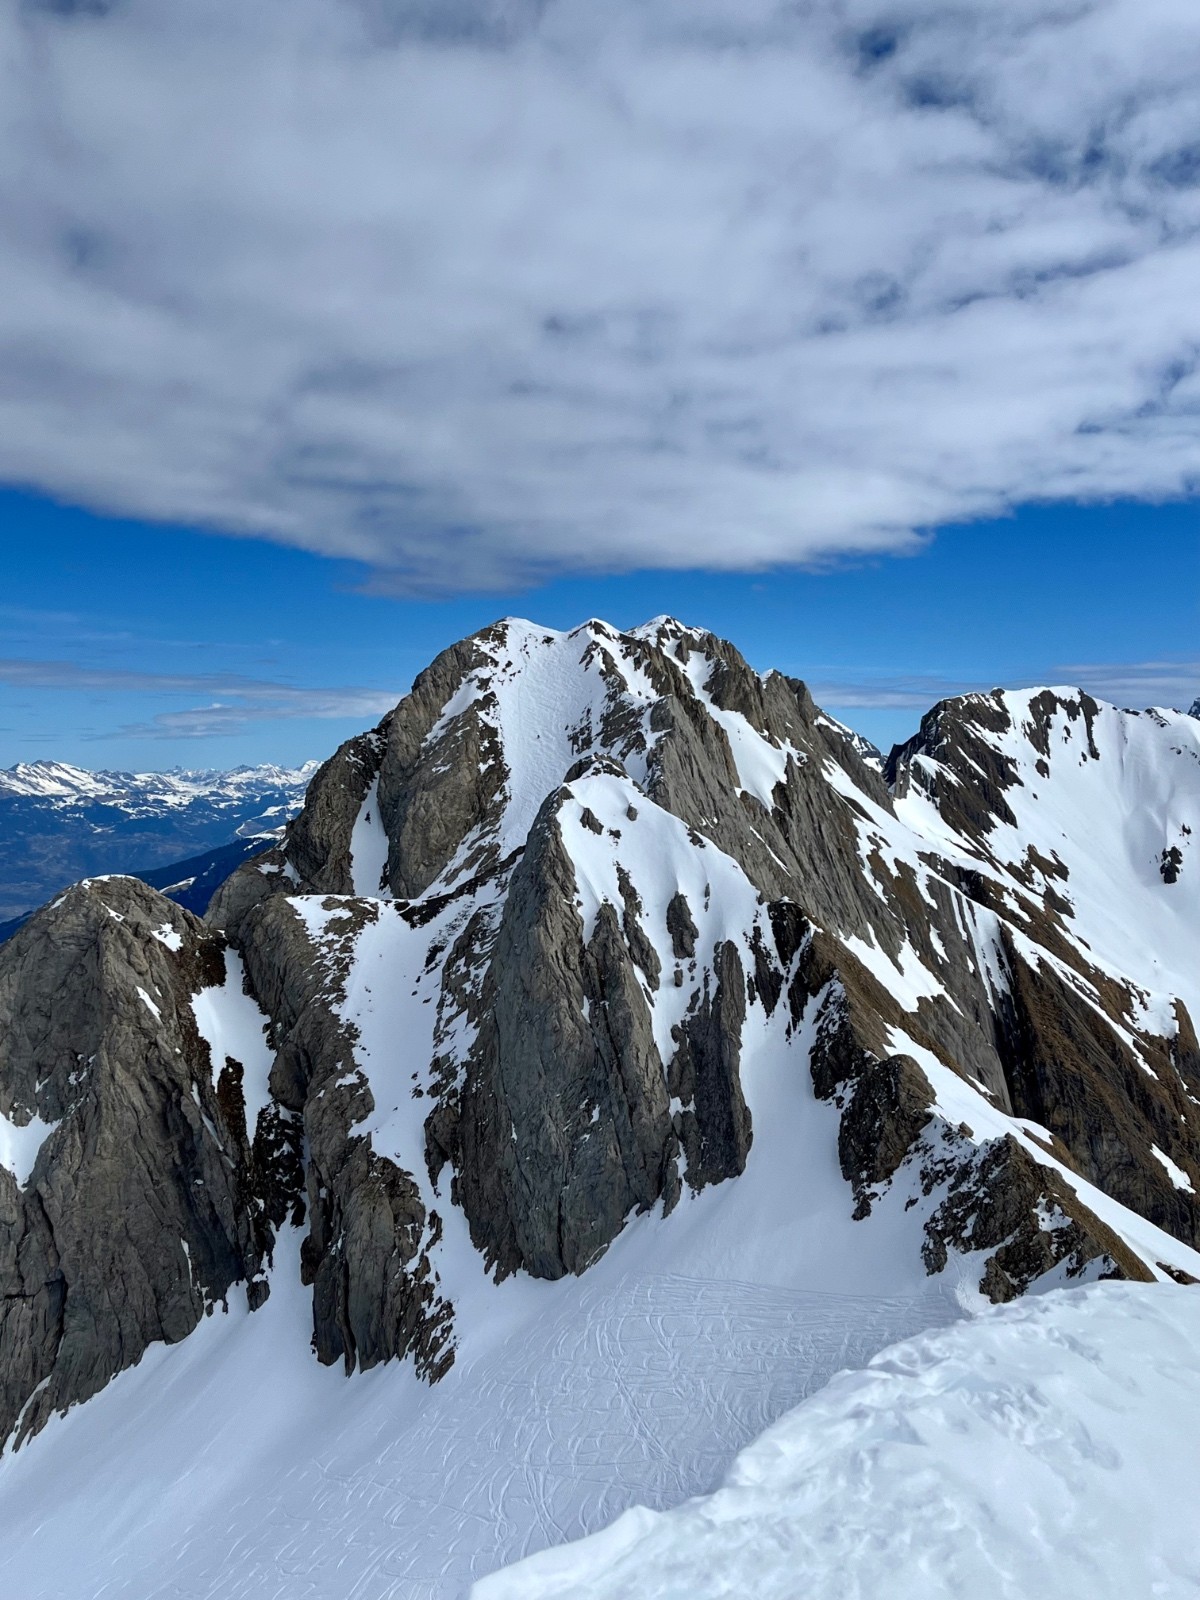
[59, 823]
[190, 883]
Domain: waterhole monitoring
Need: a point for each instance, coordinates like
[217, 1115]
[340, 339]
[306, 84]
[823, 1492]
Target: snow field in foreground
[1047, 1449]
[233, 1467]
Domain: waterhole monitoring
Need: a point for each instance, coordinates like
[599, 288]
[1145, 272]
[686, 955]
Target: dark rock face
[891, 1105]
[319, 839]
[1070, 1070]
[952, 730]
[614, 864]
[993, 1197]
[268, 874]
[715, 1126]
[439, 782]
[999, 1200]
[369, 1232]
[564, 1125]
[681, 928]
[137, 1214]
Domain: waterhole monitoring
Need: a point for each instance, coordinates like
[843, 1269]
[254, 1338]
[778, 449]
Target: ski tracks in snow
[641, 1393]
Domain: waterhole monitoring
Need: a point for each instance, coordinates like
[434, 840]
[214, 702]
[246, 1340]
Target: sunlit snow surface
[1047, 1449]
[231, 1024]
[233, 1467]
[19, 1145]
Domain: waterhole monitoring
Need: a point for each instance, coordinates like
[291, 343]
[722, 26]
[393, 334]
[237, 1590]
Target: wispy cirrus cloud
[237, 702]
[237, 716]
[1133, 684]
[1139, 683]
[477, 290]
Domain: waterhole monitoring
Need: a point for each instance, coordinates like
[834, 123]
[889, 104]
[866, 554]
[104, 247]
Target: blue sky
[414, 312]
[118, 639]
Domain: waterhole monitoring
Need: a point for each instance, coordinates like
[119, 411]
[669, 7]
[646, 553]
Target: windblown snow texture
[1048, 1449]
[621, 1048]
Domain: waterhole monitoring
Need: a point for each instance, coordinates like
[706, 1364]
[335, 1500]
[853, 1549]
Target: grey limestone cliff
[513, 954]
[144, 1203]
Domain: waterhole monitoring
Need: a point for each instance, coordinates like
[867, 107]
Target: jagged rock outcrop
[1000, 1200]
[366, 1251]
[703, 1075]
[564, 1124]
[1111, 1101]
[320, 840]
[145, 1197]
[533, 938]
[859, 901]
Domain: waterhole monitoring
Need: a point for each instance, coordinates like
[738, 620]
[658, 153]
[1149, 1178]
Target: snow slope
[1045, 1449]
[1112, 794]
[233, 1467]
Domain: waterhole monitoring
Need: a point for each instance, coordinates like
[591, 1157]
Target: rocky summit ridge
[531, 954]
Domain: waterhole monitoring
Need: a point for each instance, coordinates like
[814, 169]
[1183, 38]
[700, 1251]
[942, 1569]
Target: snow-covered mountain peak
[667, 631]
[609, 987]
[580, 787]
[535, 705]
[58, 780]
[52, 778]
[1092, 810]
[59, 822]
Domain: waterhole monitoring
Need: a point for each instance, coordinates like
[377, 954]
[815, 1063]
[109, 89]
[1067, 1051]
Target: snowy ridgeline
[1026, 1452]
[59, 780]
[1048, 1449]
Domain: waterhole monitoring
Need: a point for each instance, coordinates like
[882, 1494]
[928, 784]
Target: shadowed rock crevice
[715, 1126]
[375, 1294]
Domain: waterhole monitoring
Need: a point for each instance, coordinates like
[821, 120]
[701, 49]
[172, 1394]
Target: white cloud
[474, 291]
[242, 701]
[1135, 684]
[223, 718]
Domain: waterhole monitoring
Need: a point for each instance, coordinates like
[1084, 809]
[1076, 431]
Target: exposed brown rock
[1004, 1201]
